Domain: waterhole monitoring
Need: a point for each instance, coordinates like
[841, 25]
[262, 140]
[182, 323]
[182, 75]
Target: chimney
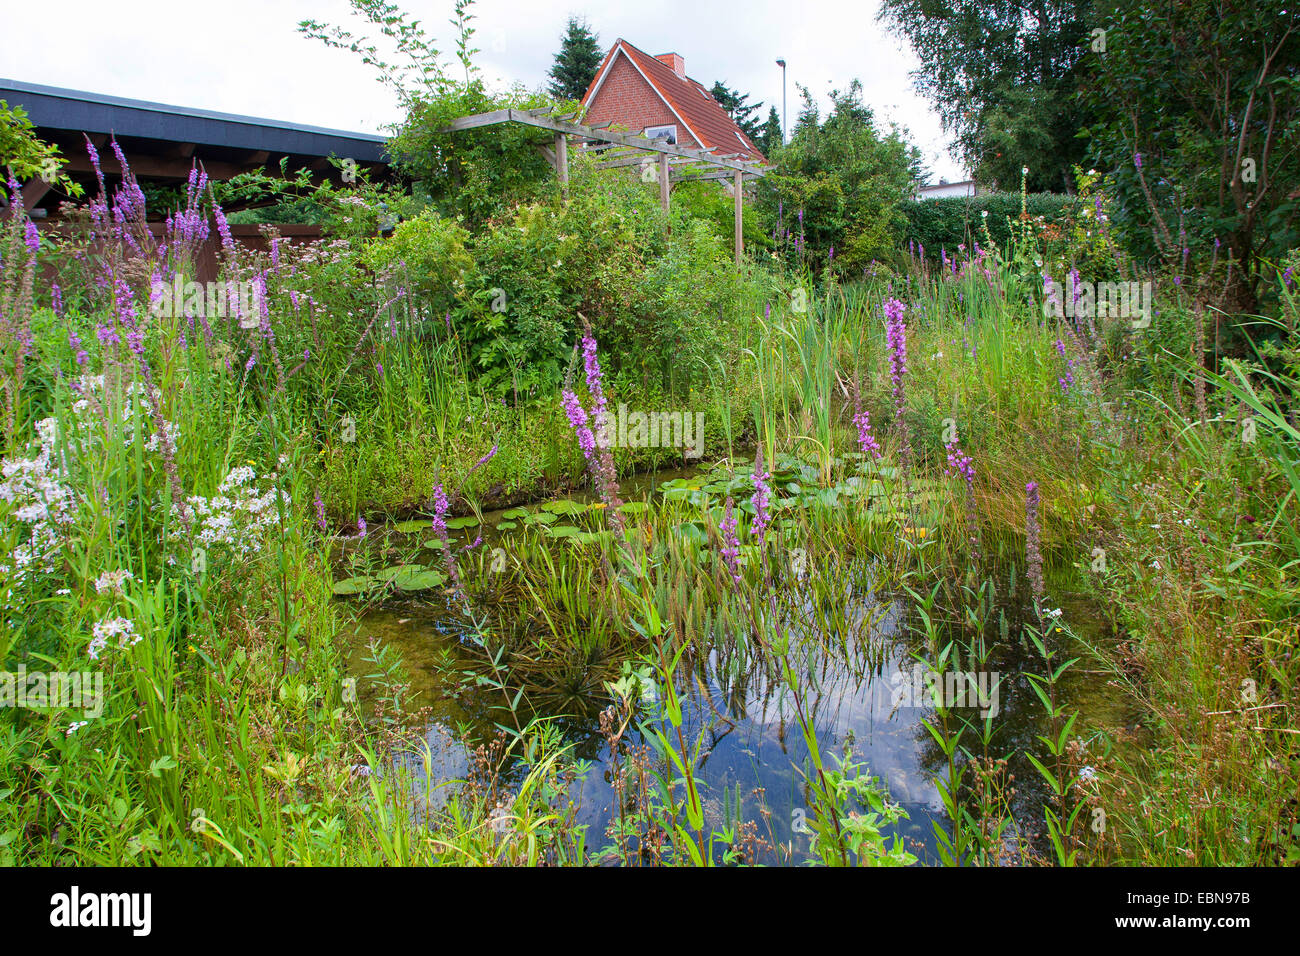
[676, 62]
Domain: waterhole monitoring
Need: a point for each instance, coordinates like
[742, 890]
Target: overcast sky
[246, 56]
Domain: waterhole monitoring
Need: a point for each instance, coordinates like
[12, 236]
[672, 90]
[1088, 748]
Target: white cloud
[246, 56]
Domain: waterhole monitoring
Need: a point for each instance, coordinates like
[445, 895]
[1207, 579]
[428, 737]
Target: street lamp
[784, 128]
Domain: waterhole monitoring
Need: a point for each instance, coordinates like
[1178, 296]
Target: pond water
[857, 689]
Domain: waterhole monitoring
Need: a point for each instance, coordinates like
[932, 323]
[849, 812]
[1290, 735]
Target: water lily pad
[389, 573]
[455, 524]
[415, 524]
[507, 525]
[633, 507]
[564, 506]
[355, 585]
[542, 517]
[514, 514]
[563, 531]
[420, 580]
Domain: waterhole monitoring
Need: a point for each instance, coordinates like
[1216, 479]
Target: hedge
[945, 223]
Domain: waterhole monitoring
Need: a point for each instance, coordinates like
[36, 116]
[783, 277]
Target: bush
[946, 223]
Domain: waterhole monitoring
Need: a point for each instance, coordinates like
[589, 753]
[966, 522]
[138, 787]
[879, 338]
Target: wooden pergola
[659, 161]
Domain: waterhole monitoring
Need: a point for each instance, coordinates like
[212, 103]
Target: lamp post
[784, 128]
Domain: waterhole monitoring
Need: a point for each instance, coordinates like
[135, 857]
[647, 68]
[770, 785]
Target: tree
[576, 63]
[769, 137]
[840, 184]
[1198, 116]
[735, 105]
[23, 156]
[1003, 75]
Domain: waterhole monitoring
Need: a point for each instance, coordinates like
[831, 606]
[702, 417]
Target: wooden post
[664, 181]
[740, 214]
[562, 163]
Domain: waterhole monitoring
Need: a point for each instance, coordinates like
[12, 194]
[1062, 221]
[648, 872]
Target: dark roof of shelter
[50, 107]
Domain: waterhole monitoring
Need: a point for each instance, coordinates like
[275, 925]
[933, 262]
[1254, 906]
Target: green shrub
[946, 223]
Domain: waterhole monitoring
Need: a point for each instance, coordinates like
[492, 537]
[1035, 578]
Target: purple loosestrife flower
[74, 343]
[1137, 160]
[761, 498]
[361, 527]
[862, 419]
[440, 506]
[1066, 380]
[959, 463]
[1033, 552]
[896, 337]
[592, 368]
[578, 421]
[730, 542]
[223, 229]
[32, 238]
[56, 299]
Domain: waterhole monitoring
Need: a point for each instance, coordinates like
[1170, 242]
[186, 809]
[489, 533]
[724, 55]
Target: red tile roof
[694, 105]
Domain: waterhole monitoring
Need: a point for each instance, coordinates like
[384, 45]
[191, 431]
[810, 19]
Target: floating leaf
[564, 506]
[420, 580]
[455, 524]
[514, 514]
[355, 585]
[415, 524]
[506, 525]
[563, 531]
[541, 517]
[389, 573]
[633, 508]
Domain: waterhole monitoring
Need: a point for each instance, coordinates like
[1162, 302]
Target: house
[944, 189]
[653, 96]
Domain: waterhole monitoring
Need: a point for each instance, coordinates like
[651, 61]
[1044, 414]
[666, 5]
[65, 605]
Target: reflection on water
[855, 691]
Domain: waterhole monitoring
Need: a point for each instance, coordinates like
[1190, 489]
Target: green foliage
[1205, 92]
[576, 64]
[426, 255]
[769, 136]
[846, 178]
[1004, 78]
[26, 157]
[949, 221]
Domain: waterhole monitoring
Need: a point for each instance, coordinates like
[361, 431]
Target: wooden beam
[562, 164]
[664, 183]
[740, 215]
[687, 175]
[34, 191]
[548, 154]
[626, 139]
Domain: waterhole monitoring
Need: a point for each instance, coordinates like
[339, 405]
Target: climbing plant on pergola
[659, 161]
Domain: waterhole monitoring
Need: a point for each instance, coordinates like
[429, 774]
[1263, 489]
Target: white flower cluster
[118, 627]
[137, 412]
[112, 581]
[43, 504]
[39, 489]
[238, 515]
